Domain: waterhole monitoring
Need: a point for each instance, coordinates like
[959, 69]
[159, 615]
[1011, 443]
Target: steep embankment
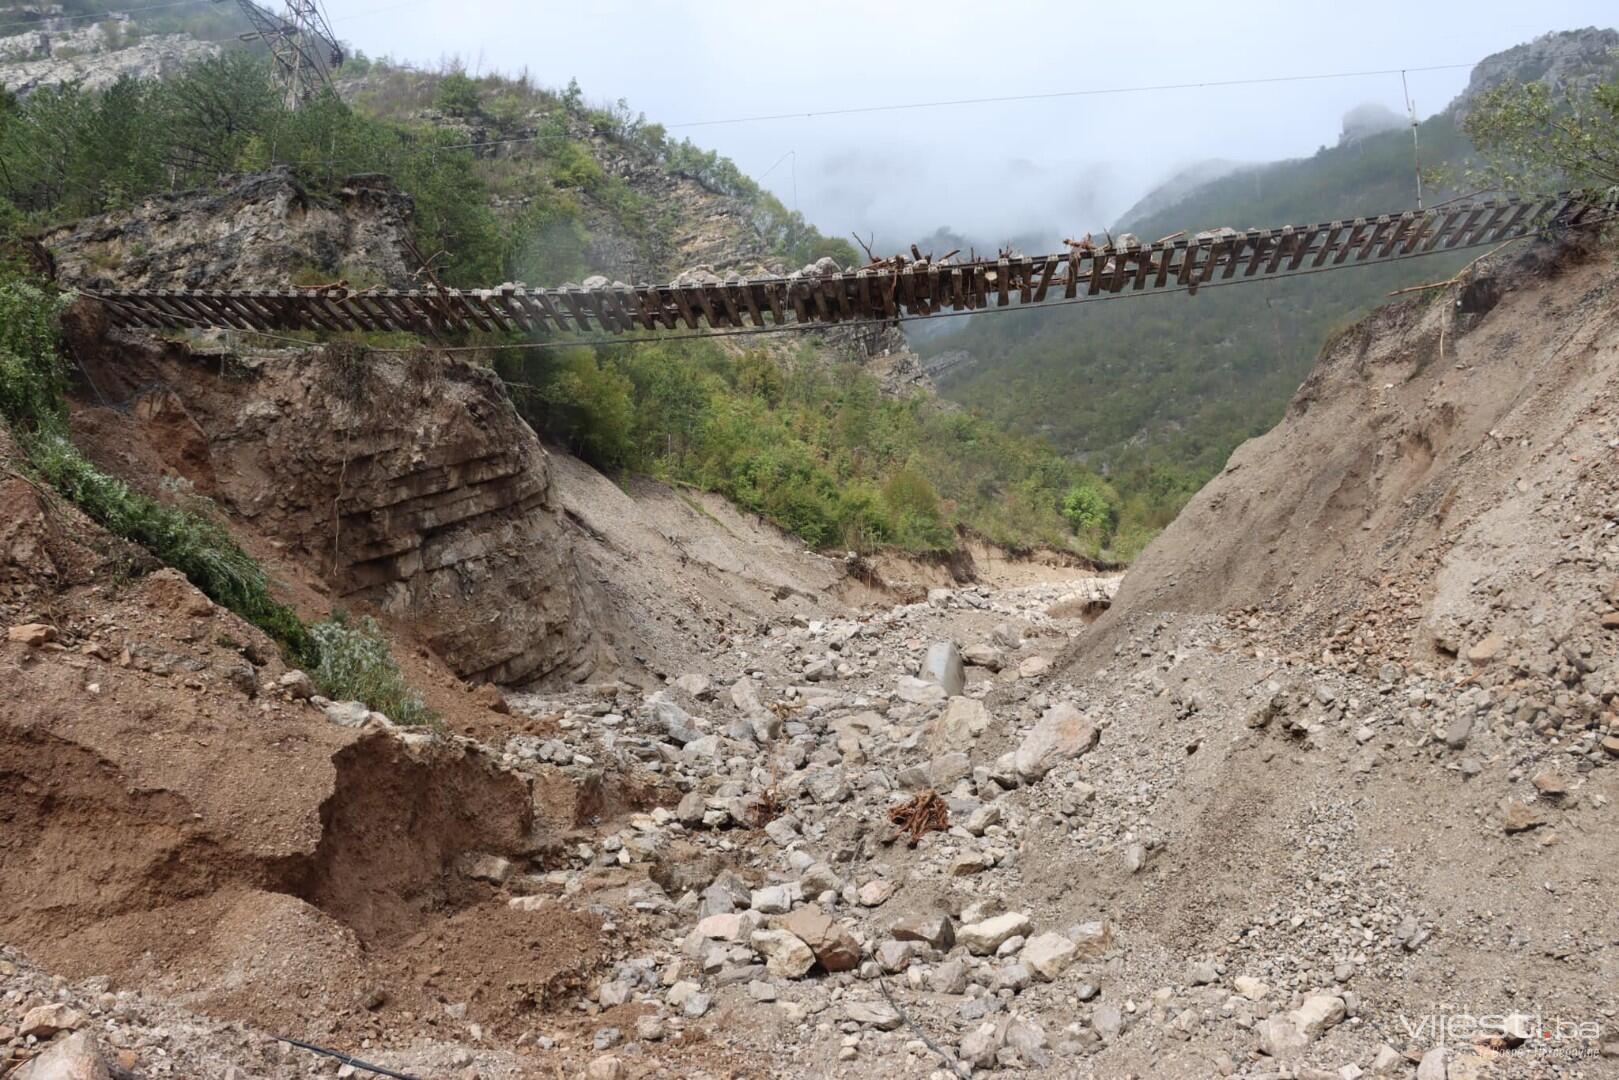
[407, 487]
[1443, 470]
[1362, 699]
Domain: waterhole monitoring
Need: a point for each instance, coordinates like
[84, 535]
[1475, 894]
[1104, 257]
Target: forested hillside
[512, 181]
[1159, 390]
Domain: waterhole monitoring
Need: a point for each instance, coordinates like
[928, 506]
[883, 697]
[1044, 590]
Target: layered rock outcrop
[410, 484]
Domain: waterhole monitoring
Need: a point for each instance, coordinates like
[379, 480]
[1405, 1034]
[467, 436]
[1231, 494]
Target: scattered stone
[1389, 1062]
[32, 635]
[979, 1046]
[933, 930]
[1033, 667]
[1318, 1013]
[722, 927]
[969, 863]
[785, 953]
[296, 685]
[46, 1020]
[1063, 733]
[1093, 938]
[772, 900]
[980, 820]
[1432, 1066]
[76, 1057]
[1048, 955]
[833, 946]
[1517, 817]
[876, 892]
[491, 868]
[1280, 1037]
[1251, 988]
[959, 726]
[919, 691]
[1135, 857]
[1108, 1021]
[895, 956]
[1486, 649]
[983, 938]
[696, 685]
[348, 713]
[1551, 785]
[942, 667]
[949, 977]
[606, 1067]
[877, 1014]
[984, 655]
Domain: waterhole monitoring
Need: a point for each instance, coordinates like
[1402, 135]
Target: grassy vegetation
[356, 665]
[812, 444]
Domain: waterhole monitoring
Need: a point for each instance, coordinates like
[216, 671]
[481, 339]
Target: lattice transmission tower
[301, 43]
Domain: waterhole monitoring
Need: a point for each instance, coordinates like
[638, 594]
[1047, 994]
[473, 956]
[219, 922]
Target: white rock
[1432, 1065]
[785, 954]
[1062, 734]
[983, 938]
[1318, 1013]
[919, 691]
[1048, 955]
[959, 726]
[942, 666]
[1281, 1038]
[1250, 987]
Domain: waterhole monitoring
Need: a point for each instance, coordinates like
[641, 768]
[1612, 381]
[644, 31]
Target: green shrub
[357, 665]
[32, 379]
[458, 94]
[1086, 507]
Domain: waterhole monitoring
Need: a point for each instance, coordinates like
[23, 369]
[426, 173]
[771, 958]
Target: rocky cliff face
[94, 56]
[1566, 60]
[409, 484]
[260, 230]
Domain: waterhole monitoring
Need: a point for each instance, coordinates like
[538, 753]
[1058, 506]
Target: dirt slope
[1443, 468]
[1361, 695]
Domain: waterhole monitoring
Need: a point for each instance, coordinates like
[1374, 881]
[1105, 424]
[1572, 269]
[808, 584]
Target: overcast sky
[990, 169]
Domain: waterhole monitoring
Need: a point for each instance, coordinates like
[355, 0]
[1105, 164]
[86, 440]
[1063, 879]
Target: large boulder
[834, 947]
[942, 666]
[76, 1057]
[1063, 733]
[987, 935]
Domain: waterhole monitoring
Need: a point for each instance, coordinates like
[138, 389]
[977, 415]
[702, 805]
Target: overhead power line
[956, 102]
[854, 110]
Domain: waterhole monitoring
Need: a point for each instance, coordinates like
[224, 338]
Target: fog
[989, 170]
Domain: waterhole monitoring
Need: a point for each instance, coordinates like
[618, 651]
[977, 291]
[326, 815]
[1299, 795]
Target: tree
[1086, 507]
[1532, 141]
[458, 94]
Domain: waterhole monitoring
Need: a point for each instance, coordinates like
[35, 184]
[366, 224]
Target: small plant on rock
[357, 665]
